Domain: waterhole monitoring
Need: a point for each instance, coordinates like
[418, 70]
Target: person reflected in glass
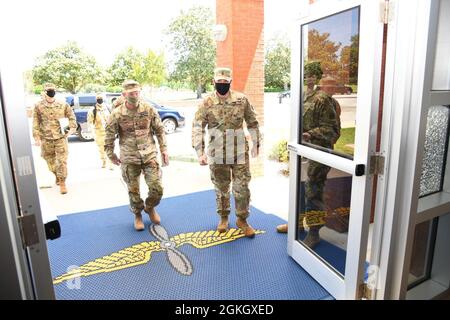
[321, 127]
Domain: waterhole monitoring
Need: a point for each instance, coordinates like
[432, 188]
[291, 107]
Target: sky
[103, 28]
[341, 27]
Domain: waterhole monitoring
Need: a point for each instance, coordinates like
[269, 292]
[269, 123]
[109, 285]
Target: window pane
[324, 212]
[330, 68]
[441, 76]
[435, 148]
[421, 253]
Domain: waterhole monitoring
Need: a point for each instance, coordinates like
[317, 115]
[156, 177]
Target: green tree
[354, 54]
[278, 63]
[349, 61]
[321, 48]
[193, 47]
[68, 67]
[123, 66]
[151, 69]
[132, 64]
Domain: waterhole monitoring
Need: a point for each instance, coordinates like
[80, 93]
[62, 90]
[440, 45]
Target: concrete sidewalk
[91, 187]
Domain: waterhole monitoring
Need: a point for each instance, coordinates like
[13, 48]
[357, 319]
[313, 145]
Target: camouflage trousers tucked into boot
[237, 175]
[154, 216]
[131, 174]
[223, 224]
[55, 153]
[245, 227]
[312, 238]
[62, 186]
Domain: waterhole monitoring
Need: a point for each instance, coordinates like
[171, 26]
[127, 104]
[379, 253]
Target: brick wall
[243, 52]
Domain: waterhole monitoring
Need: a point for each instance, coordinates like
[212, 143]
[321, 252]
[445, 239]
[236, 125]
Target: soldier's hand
[203, 160]
[306, 136]
[115, 160]
[37, 142]
[165, 158]
[255, 151]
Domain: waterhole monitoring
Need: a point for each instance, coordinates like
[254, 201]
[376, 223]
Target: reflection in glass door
[324, 203]
[335, 96]
[330, 55]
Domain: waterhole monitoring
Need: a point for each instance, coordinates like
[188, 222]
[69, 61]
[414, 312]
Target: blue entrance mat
[101, 256]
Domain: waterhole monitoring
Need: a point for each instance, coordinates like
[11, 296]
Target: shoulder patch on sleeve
[208, 102]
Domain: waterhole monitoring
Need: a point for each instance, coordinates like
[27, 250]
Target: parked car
[171, 118]
[82, 104]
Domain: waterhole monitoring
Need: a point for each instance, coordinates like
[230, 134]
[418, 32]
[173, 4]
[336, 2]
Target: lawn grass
[347, 137]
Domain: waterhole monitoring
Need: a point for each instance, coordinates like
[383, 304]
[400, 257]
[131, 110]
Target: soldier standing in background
[321, 127]
[117, 101]
[135, 122]
[224, 112]
[53, 122]
[98, 118]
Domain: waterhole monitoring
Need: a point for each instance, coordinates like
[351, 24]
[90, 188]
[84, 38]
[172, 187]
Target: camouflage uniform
[322, 123]
[227, 167]
[47, 129]
[101, 119]
[118, 102]
[138, 152]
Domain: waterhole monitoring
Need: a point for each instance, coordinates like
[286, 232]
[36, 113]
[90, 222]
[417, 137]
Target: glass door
[336, 78]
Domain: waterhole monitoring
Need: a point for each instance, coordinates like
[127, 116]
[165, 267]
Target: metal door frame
[20, 193]
[408, 96]
[371, 36]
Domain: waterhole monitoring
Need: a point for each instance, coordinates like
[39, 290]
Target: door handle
[360, 170]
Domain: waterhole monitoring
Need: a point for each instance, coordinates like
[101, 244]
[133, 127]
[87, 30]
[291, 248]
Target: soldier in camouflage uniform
[98, 118]
[321, 127]
[118, 101]
[224, 112]
[49, 131]
[136, 123]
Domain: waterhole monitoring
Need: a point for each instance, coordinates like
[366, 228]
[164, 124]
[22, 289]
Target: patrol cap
[130, 86]
[49, 86]
[221, 73]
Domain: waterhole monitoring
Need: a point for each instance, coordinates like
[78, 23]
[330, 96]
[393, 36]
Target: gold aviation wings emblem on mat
[141, 253]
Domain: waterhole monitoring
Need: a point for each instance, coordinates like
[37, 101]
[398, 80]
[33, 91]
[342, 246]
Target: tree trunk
[199, 91]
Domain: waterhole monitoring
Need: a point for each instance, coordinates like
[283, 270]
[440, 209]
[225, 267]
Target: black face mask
[222, 88]
[99, 101]
[51, 93]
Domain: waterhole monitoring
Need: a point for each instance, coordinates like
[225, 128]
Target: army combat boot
[138, 223]
[62, 187]
[223, 224]
[154, 216]
[282, 228]
[245, 227]
[312, 238]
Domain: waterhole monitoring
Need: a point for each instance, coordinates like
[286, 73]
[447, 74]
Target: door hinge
[28, 230]
[377, 165]
[365, 293]
[386, 12]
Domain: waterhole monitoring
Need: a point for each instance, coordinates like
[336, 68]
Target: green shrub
[38, 89]
[271, 89]
[280, 152]
[114, 89]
